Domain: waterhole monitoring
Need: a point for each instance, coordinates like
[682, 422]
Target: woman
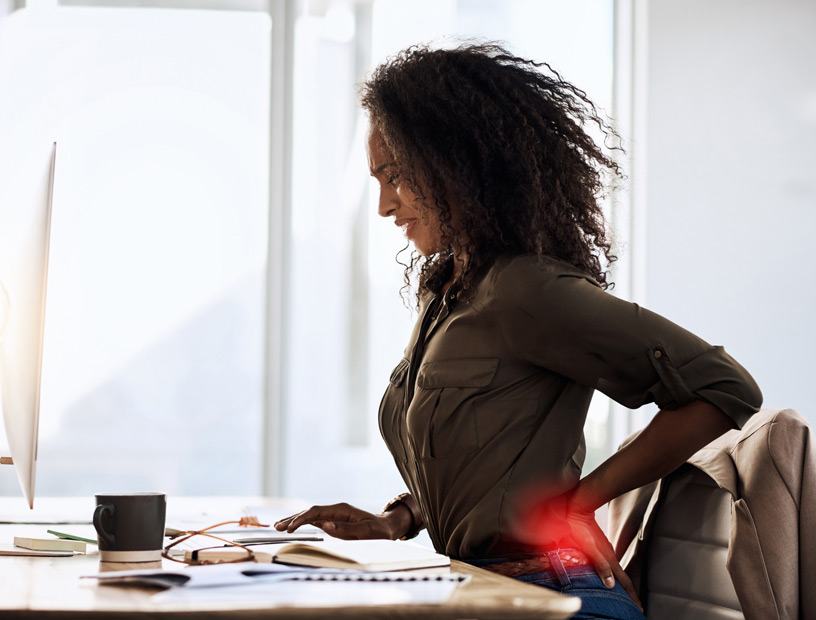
[483, 160]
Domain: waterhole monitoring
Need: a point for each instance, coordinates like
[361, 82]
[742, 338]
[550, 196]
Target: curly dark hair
[496, 144]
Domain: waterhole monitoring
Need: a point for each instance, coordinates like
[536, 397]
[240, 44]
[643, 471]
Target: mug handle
[99, 513]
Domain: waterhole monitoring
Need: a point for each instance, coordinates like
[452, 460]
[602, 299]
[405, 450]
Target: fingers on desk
[340, 520]
[317, 516]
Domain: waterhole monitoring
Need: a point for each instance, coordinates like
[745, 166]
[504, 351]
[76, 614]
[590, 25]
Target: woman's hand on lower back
[587, 536]
[349, 522]
[666, 443]
[564, 523]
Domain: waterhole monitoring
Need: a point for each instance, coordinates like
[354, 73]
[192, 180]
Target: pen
[269, 540]
[72, 537]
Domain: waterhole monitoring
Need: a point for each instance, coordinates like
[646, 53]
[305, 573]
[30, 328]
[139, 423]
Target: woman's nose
[387, 204]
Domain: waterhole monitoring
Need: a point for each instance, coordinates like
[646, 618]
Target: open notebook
[361, 555]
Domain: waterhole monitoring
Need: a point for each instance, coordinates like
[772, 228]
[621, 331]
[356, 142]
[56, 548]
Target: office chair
[732, 533]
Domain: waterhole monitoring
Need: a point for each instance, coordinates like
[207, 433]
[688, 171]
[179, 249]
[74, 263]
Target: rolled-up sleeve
[561, 320]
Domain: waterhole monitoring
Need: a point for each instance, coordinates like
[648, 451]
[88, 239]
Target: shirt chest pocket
[392, 412]
[442, 418]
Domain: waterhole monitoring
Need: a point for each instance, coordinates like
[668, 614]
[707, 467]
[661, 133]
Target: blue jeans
[597, 601]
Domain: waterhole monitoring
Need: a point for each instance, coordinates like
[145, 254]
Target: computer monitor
[24, 275]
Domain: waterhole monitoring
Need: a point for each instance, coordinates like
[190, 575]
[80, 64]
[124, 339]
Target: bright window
[348, 326]
[152, 375]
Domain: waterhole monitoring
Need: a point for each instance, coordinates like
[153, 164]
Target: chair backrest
[685, 575]
[756, 512]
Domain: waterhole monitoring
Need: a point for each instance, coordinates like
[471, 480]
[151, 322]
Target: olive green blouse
[487, 409]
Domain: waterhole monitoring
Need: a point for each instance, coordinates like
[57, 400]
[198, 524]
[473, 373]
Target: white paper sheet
[278, 584]
[317, 594]
[325, 590]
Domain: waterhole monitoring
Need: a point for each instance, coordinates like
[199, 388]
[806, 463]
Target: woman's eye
[393, 178]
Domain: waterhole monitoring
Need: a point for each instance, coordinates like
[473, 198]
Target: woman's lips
[407, 224]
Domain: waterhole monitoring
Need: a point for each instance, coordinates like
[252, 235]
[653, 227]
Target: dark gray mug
[130, 526]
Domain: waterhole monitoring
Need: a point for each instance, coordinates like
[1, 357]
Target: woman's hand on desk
[349, 522]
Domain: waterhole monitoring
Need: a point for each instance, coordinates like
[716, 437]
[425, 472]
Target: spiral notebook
[278, 584]
[233, 574]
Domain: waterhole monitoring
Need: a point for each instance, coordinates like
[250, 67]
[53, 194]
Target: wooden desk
[50, 588]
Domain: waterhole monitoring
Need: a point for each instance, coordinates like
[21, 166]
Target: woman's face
[419, 224]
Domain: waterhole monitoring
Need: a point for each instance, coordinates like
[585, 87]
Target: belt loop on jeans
[558, 568]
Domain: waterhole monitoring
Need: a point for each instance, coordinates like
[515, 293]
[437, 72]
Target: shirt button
[658, 354]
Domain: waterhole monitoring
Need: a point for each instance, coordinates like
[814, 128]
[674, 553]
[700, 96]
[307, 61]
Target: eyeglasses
[178, 538]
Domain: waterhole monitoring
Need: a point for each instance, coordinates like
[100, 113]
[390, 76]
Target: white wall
[731, 182]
